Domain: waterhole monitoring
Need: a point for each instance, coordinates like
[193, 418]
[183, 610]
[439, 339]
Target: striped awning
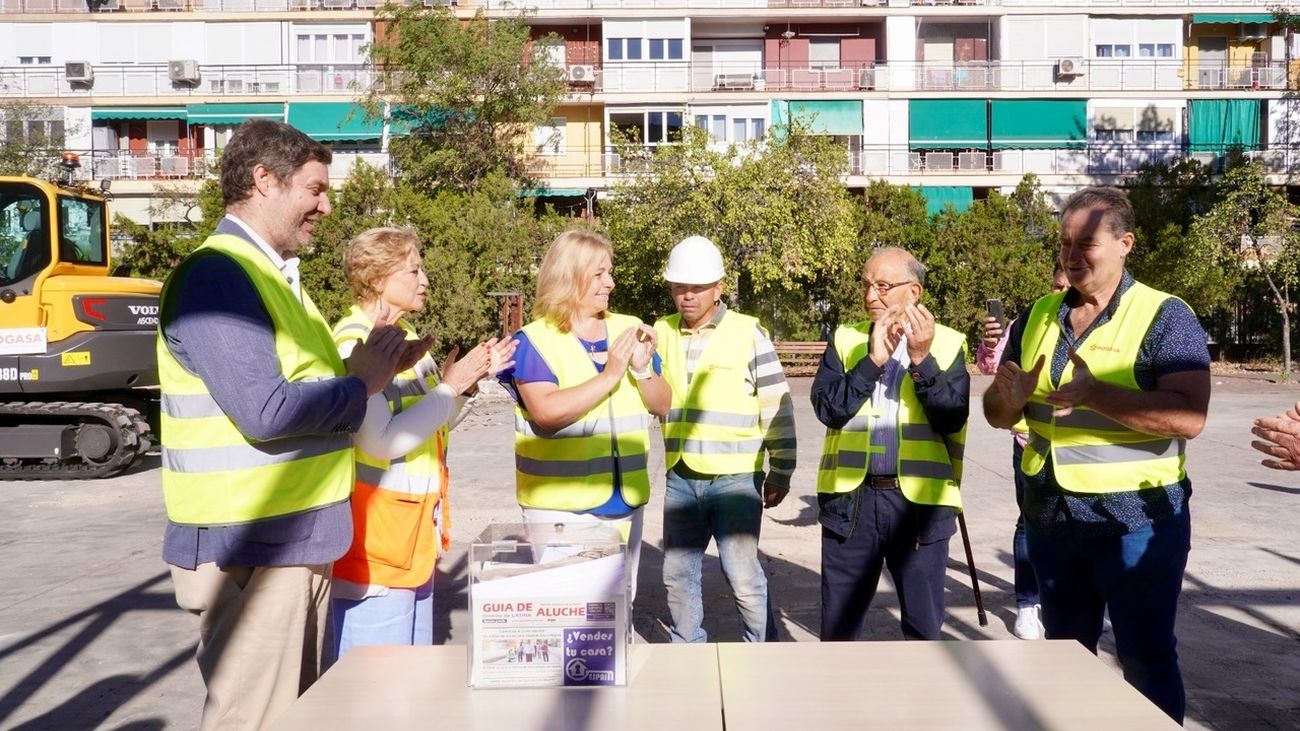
[233, 114]
[138, 113]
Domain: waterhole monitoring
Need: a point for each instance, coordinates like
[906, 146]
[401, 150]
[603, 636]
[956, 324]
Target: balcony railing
[207, 6]
[212, 80]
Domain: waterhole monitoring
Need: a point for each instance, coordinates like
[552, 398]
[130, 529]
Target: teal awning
[402, 119]
[233, 114]
[334, 121]
[836, 118]
[945, 123]
[1215, 125]
[1039, 124]
[138, 113]
[1233, 18]
[939, 197]
[553, 193]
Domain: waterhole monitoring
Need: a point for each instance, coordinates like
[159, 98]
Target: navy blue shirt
[1175, 343]
[218, 328]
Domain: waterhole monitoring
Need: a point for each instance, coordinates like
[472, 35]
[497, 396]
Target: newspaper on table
[549, 606]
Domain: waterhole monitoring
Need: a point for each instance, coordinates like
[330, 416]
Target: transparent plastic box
[548, 605]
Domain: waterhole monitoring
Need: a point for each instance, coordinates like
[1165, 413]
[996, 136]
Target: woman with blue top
[586, 383]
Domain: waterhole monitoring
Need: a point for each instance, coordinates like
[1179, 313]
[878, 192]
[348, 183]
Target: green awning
[138, 113]
[1215, 125]
[334, 121]
[945, 123]
[553, 193]
[1233, 18]
[837, 118]
[939, 197]
[402, 119]
[233, 114]
[1020, 124]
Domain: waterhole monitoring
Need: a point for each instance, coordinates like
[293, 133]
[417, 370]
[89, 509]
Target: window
[633, 49]
[824, 53]
[37, 132]
[1155, 135]
[331, 47]
[615, 49]
[33, 60]
[81, 231]
[744, 130]
[675, 49]
[656, 49]
[1155, 50]
[1112, 135]
[649, 127]
[1114, 50]
[550, 137]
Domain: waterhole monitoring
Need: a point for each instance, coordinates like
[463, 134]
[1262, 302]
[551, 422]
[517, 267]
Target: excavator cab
[76, 345]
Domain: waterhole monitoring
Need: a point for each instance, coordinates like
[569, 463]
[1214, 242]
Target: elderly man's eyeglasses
[882, 288]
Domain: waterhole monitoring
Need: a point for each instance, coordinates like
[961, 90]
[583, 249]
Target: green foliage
[1002, 247]
[471, 91]
[1167, 198]
[777, 210]
[473, 243]
[154, 253]
[20, 153]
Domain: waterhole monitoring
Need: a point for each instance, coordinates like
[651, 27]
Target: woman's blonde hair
[374, 254]
[566, 270]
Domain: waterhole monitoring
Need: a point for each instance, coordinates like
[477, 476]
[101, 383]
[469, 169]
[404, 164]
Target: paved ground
[90, 636]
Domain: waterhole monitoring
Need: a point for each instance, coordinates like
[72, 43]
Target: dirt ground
[90, 636]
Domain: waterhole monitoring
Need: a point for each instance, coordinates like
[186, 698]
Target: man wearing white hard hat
[730, 407]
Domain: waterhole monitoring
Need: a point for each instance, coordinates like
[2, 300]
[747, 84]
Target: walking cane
[974, 580]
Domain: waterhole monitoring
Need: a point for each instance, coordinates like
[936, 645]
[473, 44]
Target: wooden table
[1008, 684]
[391, 688]
[789, 686]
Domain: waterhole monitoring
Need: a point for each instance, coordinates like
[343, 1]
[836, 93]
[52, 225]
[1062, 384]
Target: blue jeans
[1026, 584]
[402, 617]
[729, 509]
[1139, 576]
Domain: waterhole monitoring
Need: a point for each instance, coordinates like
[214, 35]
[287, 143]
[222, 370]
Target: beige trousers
[261, 631]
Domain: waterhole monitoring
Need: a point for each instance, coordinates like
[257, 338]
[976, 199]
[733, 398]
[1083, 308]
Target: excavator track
[108, 438]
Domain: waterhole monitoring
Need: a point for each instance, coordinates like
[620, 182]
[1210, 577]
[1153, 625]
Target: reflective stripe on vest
[211, 473]
[1092, 453]
[713, 425]
[929, 464]
[394, 541]
[573, 468]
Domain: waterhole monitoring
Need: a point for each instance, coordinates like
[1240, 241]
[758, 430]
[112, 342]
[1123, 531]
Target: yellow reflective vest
[929, 464]
[573, 468]
[713, 424]
[1090, 452]
[393, 539]
[214, 475]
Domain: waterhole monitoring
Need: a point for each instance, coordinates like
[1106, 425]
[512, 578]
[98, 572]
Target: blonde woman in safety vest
[383, 585]
[586, 383]
[1112, 378]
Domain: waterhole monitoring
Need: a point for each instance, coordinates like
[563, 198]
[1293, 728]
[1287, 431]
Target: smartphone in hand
[994, 308]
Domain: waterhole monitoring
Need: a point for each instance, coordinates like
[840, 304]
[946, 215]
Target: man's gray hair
[914, 265]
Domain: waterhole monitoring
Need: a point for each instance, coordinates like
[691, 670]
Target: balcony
[13, 7]
[124, 165]
[1255, 76]
[214, 80]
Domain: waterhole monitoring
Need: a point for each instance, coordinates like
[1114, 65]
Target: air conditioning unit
[1070, 66]
[1254, 31]
[184, 71]
[79, 72]
[582, 74]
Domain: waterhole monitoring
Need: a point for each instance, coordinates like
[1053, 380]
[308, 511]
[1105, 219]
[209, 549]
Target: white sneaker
[1029, 624]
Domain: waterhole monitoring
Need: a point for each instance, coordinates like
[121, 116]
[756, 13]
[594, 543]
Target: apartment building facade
[957, 97]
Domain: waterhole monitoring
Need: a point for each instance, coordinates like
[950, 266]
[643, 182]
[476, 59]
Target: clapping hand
[1280, 437]
[1078, 392]
[885, 335]
[919, 324]
[1015, 383]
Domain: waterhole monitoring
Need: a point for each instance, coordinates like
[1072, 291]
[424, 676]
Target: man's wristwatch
[646, 374]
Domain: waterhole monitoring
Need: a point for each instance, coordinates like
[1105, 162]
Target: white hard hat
[695, 260]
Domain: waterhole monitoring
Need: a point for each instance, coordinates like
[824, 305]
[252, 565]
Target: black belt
[882, 482]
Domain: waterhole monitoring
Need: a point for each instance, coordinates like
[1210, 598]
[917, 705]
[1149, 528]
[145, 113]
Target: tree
[31, 138]
[1001, 247]
[154, 252]
[776, 208]
[469, 91]
[1167, 198]
[1252, 225]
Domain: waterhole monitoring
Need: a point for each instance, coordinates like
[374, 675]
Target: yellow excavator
[76, 344]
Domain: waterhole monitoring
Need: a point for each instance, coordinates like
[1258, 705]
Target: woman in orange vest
[383, 586]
